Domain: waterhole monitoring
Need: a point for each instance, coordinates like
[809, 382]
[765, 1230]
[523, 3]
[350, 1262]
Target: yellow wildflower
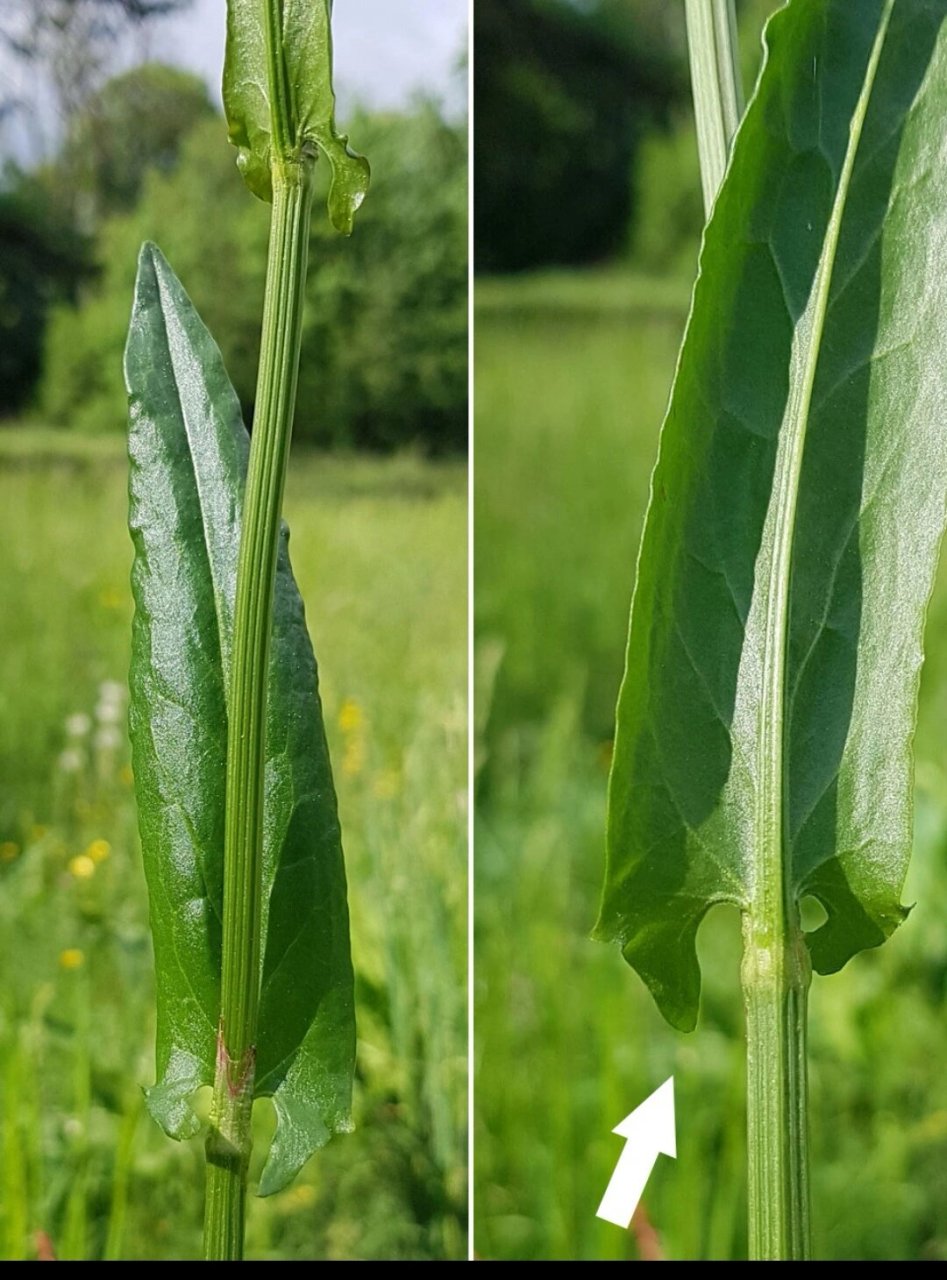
[8, 851]
[71, 958]
[111, 598]
[98, 850]
[387, 784]
[933, 1127]
[81, 866]
[350, 716]
[302, 1196]
[353, 758]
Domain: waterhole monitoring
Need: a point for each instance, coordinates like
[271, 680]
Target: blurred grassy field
[379, 548]
[569, 399]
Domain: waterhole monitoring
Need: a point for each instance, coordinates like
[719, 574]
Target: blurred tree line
[45, 245]
[584, 142]
[144, 155]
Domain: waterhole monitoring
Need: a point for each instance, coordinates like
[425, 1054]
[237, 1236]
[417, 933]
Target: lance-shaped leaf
[279, 99]
[188, 449]
[769, 702]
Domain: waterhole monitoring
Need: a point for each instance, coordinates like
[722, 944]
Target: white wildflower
[112, 691]
[108, 738]
[78, 724]
[70, 760]
[108, 712]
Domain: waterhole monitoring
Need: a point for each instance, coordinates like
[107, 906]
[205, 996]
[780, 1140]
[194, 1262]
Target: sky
[386, 51]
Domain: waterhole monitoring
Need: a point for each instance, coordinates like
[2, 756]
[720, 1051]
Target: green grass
[595, 292]
[379, 548]
[567, 1041]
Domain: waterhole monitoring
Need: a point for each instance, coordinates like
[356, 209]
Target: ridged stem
[715, 82]
[776, 967]
[775, 972]
[776, 975]
[230, 1139]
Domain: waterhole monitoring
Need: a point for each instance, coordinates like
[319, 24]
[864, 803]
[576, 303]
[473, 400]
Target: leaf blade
[177, 695]
[685, 789]
[189, 452]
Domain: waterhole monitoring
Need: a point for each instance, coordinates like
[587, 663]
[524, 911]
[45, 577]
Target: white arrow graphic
[649, 1131]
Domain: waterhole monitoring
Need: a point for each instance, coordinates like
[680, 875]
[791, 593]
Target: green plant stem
[776, 974]
[715, 81]
[776, 966]
[776, 969]
[229, 1140]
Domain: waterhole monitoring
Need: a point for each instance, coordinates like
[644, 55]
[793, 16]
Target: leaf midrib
[773, 890]
[166, 305]
[217, 587]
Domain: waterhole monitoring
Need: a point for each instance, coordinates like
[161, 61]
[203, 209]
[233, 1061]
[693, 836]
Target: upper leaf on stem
[279, 99]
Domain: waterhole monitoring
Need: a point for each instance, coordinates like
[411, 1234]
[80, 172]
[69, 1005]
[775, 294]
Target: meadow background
[573, 365]
[376, 502]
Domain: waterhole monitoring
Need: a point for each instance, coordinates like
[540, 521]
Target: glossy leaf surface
[807, 414]
[188, 449]
[284, 108]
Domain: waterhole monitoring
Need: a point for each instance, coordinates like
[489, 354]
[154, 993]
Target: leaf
[286, 110]
[188, 450]
[796, 511]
